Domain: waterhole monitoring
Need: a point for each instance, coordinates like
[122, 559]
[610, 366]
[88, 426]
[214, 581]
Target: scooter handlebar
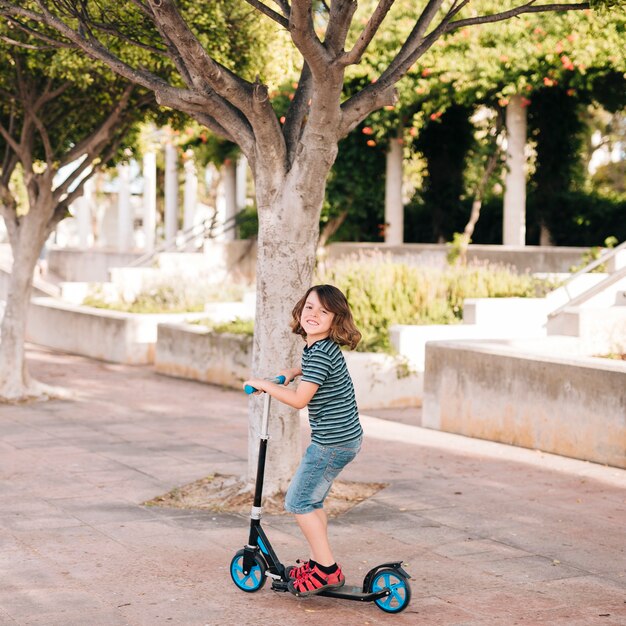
[279, 380]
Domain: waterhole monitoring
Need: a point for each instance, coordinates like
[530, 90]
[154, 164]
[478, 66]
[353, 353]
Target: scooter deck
[347, 592]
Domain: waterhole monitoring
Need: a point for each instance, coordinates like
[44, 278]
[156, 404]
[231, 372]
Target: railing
[605, 256]
[208, 229]
[601, 260]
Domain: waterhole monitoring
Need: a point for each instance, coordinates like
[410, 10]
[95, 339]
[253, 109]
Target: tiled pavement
[491, 534]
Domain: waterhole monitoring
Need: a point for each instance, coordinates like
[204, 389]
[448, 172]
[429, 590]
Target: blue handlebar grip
[279, 380]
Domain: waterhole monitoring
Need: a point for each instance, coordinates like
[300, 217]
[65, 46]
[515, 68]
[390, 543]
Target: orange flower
[426, 72]
[282, 119]
[371, 143]
[368, 130]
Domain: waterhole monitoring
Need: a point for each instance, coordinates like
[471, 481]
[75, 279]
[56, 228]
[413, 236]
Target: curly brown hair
[343, 329]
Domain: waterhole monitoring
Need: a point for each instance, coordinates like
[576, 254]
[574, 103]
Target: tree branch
[263, 8]
[292, 129]
[304, 37]
[367, 34]
[339, 20]
[103, 132]
[167, 95]
[530, 7]
[417, 34]
[11, 144]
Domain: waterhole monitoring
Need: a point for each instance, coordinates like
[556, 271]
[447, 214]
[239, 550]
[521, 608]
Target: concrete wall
[97, 333]
[572, 406]
[602, 330]
[93, 265]
[190, 351]
[552, 259]
[194, 352]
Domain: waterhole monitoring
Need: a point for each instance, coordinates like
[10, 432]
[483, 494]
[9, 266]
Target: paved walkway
[492, 535]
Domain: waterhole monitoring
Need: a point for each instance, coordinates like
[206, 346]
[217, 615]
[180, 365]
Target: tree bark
[27, 235]
[288, 235]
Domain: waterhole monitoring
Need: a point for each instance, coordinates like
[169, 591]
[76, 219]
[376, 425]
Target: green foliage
[248, 223]
[238, 326]
[357, 185]
[382, 292]
[168, 296]
[578, 218]
[445, 142]
[593, 254]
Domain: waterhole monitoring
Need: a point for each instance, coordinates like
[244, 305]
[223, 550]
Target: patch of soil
[230, 494]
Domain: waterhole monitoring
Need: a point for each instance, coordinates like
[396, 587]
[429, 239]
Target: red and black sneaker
[315, 580]
[298, 570]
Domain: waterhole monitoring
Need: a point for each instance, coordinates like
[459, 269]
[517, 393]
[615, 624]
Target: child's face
[315, 319]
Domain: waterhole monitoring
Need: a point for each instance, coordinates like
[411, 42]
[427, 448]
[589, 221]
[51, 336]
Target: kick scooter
[387, 585]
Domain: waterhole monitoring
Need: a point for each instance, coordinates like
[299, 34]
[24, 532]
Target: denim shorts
[314, 477]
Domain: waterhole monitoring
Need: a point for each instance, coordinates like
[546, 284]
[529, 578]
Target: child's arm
[297, 398]
[290, 373]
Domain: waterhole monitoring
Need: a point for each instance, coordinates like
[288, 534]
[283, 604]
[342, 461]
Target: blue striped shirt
[333, 413]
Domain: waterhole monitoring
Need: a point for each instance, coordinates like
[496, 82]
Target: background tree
[59, 121]
[290, 159]
[561, 67]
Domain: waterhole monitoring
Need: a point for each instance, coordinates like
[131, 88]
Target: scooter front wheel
[399, 587]
[254, 579]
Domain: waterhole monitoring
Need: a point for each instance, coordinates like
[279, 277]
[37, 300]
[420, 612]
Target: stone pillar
[514, 218]
[171, 194]
[83, 216]
[229, 182]
[394, 208]
[242, 182]
[190, 193]
[149, 200]
[124, 210]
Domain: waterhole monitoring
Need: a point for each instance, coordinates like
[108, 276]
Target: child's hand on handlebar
[290, 373]
[256, 383]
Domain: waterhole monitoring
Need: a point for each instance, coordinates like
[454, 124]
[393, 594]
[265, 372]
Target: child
[323, 318]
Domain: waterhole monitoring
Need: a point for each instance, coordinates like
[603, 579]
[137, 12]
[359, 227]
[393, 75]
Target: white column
[83, 216]
[149, 200]
[124, 212]
[171, 193]
[190, 193]
[229, 181]
[242, 182]
[394, 208]
[514, 218]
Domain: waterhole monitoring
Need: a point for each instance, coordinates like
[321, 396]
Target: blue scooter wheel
[397, 584]
[255, 579]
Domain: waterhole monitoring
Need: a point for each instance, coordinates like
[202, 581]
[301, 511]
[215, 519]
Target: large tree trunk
[27, 236]
[289, 212]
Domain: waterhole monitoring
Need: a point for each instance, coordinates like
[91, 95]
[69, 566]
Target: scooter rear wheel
[400, 595]
[255, 579]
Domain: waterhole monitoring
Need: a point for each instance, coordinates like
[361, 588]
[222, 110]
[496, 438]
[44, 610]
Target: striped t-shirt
[333, 414]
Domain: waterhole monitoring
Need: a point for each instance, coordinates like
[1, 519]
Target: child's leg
[314, 527]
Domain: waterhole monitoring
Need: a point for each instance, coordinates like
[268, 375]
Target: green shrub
[237, 326]
[382, 292]
[171, 296]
